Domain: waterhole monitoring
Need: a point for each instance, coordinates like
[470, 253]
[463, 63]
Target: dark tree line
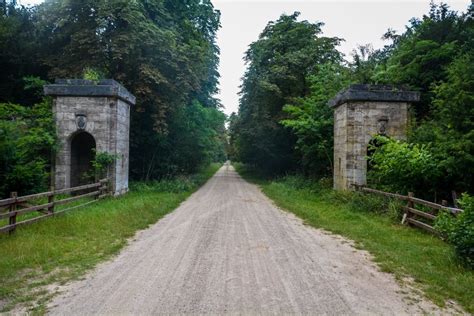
[281, 64]
[285, 125]
[163, 51]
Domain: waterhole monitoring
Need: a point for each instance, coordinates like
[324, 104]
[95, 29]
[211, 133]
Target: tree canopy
[280, 64]
[165, 53]
[284, 123]
[162, 51]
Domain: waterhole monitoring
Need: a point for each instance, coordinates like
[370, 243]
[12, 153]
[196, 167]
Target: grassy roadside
[63, 248]
[403, 251]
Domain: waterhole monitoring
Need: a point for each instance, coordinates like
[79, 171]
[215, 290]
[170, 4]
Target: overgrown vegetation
[459, 230]
[311, 119]
[163, 51]
[413, 256]
[435, 56]
[101, 163]
[27, 139]
[284, 123]
[33, 257]
[283, 66]
[398, 166]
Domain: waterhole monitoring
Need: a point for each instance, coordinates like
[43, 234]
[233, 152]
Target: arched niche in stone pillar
[360, 113]
[99, 109]
[82, 154]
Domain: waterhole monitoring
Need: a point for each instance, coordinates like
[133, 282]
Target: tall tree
[279, 64]
[423, 52]
[18, 53]
[311, 119]
[435, 56]
[163, 51]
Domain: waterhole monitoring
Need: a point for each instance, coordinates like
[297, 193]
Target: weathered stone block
[99, 112]
[360, 113]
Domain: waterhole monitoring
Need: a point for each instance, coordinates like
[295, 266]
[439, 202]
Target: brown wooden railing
[16, 205]
[413, 216]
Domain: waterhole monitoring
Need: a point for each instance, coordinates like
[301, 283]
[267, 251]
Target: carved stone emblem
[81, 121]
[382, 125]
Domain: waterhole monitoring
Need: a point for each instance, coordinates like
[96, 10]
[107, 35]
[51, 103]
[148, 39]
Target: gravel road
[229, 249]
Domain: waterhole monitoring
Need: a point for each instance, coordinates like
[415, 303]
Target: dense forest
[285, 125]
[164, 52]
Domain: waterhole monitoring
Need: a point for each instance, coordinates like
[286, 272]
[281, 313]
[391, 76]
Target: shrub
[27, 140]
[176, 184]
[459, 230]
[300, 182]
[92, 74]
[101, 162]
[402, 167]
[372, 203]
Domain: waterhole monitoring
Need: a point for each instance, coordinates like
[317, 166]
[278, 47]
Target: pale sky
[356, 21]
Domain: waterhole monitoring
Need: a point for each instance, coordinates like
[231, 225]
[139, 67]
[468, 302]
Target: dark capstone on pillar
[90, 116]
[360, 113]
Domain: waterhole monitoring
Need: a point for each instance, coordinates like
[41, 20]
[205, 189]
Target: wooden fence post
[51, 200]
[12, 219]
[410, 204]
[97, 197]
[103, 188]
[19, 205]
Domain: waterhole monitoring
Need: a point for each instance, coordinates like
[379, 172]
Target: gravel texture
[229, 249]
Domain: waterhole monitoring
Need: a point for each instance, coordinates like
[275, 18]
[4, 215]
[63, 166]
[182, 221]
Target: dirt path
[228, 249]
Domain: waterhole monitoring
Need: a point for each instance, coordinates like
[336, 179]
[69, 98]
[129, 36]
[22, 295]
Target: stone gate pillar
[90, 116]
[360, 113]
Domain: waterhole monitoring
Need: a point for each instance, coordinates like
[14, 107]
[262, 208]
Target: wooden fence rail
[421, 218]
[14, 206]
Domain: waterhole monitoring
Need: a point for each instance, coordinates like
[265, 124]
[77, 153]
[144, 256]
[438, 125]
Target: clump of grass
[63, 248]
[374, 224]
[178, 184]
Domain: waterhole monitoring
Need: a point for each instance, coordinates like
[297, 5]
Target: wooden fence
[421, 218]
[14, 206]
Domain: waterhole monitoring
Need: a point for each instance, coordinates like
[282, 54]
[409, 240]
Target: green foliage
[34, 85]
[102, 161]
[311, 119]
[372, 203]
[178, 184]
[280, 65]
[195, 138]
[422, 54]
[459, 230]
[365, 61]
[199, 133]
[399, 166]
[19, 54]
[27, 140]
[163, 51]
[449, 135]
[454, 97]
[434, 56]
[92, 75]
